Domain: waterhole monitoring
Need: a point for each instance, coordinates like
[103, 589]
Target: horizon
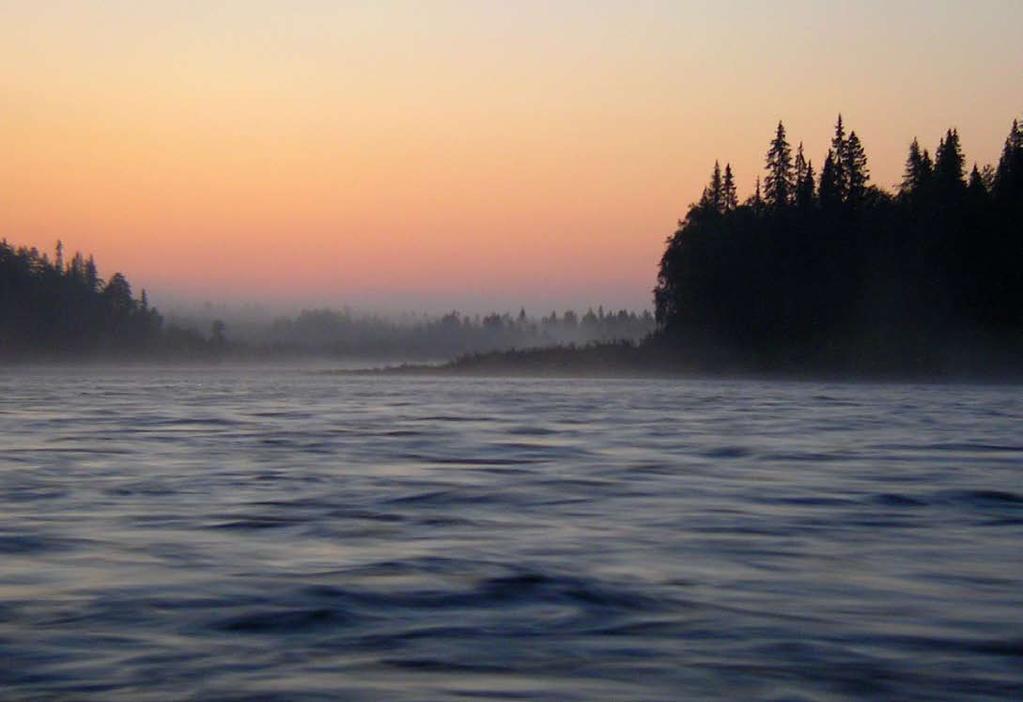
[404, 157]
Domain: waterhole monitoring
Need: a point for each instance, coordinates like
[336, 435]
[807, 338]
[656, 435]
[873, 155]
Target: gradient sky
[428, 155]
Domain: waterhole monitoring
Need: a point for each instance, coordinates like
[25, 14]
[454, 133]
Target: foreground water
[279, 534]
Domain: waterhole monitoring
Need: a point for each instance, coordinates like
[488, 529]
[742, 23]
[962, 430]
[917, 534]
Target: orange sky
[424, 155]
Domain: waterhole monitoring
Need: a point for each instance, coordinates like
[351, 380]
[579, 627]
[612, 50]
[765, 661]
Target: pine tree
[949, 163]
[975, 186]
[713, 198]
[92, 280]
[840, 176]
[917, 172]
[829, 192]
[805, 194]
[756, 200]
[857, 173]
[1009, 175]
[730, 194]
[717, 189]
[778, 185]
[799, 167]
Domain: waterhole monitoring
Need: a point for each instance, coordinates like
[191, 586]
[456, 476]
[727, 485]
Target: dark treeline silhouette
[343, 333]
[57, 309]
[830, 270]
[62, 309]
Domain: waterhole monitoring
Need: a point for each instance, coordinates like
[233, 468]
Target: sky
[439, 155]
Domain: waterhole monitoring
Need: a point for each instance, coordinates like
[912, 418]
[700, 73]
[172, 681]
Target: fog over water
[284, 533]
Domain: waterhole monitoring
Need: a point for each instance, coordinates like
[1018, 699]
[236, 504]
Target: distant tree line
[342, 333]
[60, 308]
[829, 268]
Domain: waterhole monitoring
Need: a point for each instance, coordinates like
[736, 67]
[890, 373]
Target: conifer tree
[829, 192]
[917, 172]
[949, 163]
[92, 280]
[799, 167]
[805, 194]
[717, 189]
[730, 194]
[975, 186]
[839, 176]
[1009, 174]
[756, 200]
[856, 170]
[778, 185]
[713, 198]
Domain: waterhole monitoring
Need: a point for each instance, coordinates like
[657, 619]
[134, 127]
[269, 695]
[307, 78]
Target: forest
[52, 308]
[58, 309]
[346, 333]
[829, 270]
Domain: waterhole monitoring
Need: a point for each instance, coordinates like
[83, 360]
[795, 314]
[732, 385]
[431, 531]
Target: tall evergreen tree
[830, 191]
[717, 193]
[1009, 174]
[949, 163]
[857, 173]
[839, 175]
[799, 166]
[976, 188]
[778, 185]
[731, 194]
[917, 172]
[92, 280]
[713, 198]
[805, 195]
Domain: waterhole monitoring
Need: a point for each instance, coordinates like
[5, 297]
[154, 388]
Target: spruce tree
[713, 197]
[805, 194]
[730, 194]
[857, 173]
[975, 186]
[949, 163]
[917, 172]
[840, 176]
[717, 189]
[778, 185]
[1009, 175]
[830, 192]
[756, 200]
[799, 167]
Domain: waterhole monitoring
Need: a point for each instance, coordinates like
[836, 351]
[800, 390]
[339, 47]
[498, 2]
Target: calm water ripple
[276, 534]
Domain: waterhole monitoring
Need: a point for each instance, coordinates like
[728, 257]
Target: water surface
[279, 534]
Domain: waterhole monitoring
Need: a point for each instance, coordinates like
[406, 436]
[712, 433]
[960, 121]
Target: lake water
[280, 534]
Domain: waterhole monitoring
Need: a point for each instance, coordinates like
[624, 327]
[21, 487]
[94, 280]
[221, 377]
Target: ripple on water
[285, 536]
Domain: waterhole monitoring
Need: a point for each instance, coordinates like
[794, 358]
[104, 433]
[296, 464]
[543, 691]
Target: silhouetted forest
[827, 269]
[342, 333]
[52, 308]
[57, 308]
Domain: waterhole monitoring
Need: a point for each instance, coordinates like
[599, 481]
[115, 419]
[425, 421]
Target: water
[278, 534]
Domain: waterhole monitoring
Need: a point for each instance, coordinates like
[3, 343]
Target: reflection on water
[277, 534]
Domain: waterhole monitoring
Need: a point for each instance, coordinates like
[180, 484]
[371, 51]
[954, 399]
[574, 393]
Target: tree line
[58, 307]
[51, 307]
[344, 333]
[828, 268]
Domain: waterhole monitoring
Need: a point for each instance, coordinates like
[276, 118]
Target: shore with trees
[816, 271]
